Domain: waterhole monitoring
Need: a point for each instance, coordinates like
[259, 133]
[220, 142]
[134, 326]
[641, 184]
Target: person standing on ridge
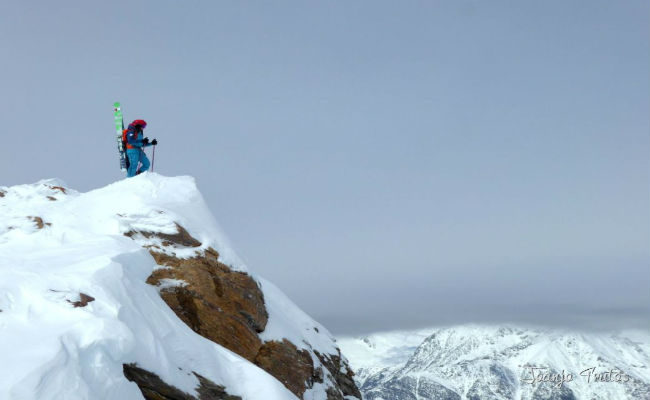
[134, 147]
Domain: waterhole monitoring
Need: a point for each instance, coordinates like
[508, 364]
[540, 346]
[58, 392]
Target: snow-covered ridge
[492, 362]
[58, 245]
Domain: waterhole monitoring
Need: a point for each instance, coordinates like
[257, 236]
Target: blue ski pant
[136, 156]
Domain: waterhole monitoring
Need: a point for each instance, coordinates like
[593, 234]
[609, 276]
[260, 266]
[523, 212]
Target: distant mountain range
[501, 362]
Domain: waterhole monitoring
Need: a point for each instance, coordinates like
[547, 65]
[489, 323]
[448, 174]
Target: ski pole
[153, 157]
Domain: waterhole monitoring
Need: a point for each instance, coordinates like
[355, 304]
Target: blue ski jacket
[134, 137]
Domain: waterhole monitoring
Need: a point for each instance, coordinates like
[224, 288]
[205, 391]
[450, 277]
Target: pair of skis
[119, 128]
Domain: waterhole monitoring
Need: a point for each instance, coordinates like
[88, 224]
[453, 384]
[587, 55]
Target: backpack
[133, 125]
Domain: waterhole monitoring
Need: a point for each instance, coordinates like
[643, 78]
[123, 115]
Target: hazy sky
[387, 164]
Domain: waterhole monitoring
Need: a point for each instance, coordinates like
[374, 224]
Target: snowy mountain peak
[132, 291]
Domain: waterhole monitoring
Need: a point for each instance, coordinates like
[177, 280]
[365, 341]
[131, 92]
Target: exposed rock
[39, 222]
[293, 367]
[208, 390]
[51, 198]
[154, 388]
[218, 303]
[342, 374]
[2, 193]
[83, 301]
[181, 238]
[228, 308]
[150, 384]
[59, 188]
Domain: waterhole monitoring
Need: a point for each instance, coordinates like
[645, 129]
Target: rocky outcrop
[59, 188]
[222, 305]
[181, 238]
[38, 221]
[154, 388]
[341, 373]
[83, 301]
[55, 188]
[227, 307]
[291, 366]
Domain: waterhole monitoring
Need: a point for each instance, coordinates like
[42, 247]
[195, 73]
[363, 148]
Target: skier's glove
[154, 142]
[145, 141]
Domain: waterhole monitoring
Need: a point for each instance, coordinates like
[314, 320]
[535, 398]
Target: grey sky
[387, 164]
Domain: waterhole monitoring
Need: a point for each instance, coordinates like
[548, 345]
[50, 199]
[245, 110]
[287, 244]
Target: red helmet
[139, 122]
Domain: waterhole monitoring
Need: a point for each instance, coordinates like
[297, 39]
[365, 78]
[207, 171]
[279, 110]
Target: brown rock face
[180, 239]
[154, 388]
[342, 375]
[228, 308]
[293, 367]
[222, 305]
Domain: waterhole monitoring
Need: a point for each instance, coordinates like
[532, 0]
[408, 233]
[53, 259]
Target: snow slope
[56, 243]
[490, 362]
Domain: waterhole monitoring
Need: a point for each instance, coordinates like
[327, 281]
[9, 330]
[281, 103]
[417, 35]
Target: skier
[134, 145]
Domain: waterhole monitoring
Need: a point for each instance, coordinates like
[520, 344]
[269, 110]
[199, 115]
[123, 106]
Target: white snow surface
[52, 350]
[383, 349]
